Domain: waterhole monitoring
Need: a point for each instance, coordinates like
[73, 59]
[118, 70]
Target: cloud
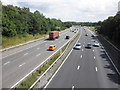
[71, 10]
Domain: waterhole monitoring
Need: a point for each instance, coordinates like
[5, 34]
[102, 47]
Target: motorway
[17, 63]
[86, 68]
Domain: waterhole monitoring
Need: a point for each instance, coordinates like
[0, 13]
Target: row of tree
[20, 21]
[111, 28]
[81, 23]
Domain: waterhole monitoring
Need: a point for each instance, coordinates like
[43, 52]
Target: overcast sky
[70, 10]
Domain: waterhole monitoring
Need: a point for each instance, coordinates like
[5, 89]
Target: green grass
[30, 80]
[11, 41]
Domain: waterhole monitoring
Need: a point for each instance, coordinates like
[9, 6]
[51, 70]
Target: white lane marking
[73, 87]
[94, 57]
[21, 50]
[21, 64]
[38, 48]
[25, 54]
[7, 63]
[96, 69]
[81, 56]
[60, 65]
[38, 54]
[110, 60]
[78, 67]
[93, 50]
[40, 65]
[82, 50]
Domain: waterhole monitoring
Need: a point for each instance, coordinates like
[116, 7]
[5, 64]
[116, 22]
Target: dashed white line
[94, 57]
[96, 69]
[38, 55]
[21, 64]
[81, 56]
[38, 48]
[7, 63]
[73, 87]
[78, 67]
[93, 50]
[25, 54]
[82, 50]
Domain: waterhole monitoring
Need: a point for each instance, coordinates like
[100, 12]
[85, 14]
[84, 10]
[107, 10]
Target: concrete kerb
[34, 70]
[2, 50]
[38, 80]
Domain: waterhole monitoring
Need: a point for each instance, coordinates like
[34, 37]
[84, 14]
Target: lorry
[53, 35]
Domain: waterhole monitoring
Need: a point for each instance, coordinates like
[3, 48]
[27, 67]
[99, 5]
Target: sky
[70, 10]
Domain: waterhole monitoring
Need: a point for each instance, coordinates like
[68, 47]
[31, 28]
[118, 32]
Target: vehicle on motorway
[89, 45]
[92, 36]
[96, 44]
[77, 46]
[86, 34]
[67, 37]
[53, 35]
[52, 47]
[74, 31]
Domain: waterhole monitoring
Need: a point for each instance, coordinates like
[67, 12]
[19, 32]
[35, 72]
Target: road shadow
[113, 75]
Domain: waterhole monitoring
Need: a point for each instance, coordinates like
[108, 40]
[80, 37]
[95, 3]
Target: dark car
[86, 34]
[92, 36]
[67, 37]
[89, 45]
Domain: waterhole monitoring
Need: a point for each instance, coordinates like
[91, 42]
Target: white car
[96, 44]
[77, 46]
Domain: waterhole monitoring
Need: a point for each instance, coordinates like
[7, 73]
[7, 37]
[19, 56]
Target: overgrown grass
[11, 41]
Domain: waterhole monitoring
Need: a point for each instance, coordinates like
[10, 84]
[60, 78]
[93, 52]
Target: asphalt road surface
[86, 68]
[19, 62]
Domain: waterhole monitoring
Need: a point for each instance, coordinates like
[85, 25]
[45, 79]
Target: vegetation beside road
[20, 25]
[31, 79]
[110, 29]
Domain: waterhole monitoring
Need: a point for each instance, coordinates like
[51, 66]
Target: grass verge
[30, 80]
[11, 41]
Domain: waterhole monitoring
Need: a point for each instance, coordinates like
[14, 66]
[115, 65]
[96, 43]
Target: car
[52, 47]
[86, 34]
[67, 37]
[77, 46]
[96, 44]
[74, 31]
[92, 36]
[89, 45]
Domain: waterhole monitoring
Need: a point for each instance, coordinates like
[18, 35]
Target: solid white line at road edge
[58, 69]
[38, 65]
[110, 60]
[26, 48]
[61, 65]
